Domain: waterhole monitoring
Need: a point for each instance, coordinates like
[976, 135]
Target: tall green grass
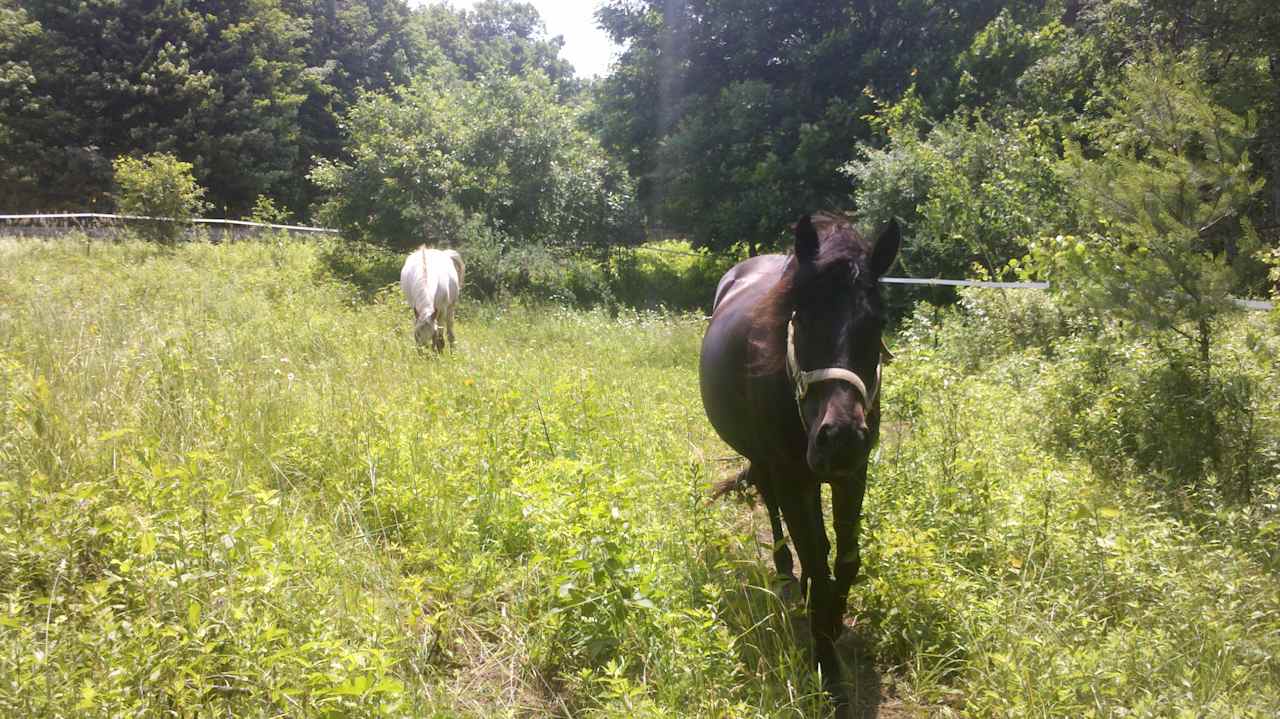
[229, 483]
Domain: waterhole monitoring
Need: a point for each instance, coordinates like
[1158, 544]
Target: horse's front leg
[820, 531]
[809, 538]
[846, 506]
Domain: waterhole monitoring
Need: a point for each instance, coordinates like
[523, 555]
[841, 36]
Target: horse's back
[723, 368]
[752, 277]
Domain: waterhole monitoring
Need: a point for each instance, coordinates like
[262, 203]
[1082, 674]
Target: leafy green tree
[971, 189]
[1233, 44]
[244, 133]
[158, 186]
[17, 31]
[994, 70]
[351, 47]
[494, 37]
[1166, 179]
[738, 116]
[504, 149]
[18, 34]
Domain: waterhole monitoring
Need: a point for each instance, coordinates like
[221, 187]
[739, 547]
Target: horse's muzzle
[837, 447]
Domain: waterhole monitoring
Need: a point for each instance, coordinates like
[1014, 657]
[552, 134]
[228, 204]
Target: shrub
[160, 186]
[986, 325]
[1127, 403]
[442, 151]
[265, 210]
[1130, 406]
[369, 268]
[535, 272]
[496, 268]
[667, 274]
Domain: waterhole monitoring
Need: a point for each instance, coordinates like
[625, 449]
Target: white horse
[431, 280]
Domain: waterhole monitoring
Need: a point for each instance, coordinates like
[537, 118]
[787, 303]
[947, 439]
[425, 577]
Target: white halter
[803, 380]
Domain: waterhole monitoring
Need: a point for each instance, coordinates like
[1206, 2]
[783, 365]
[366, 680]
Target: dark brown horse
[790, 376]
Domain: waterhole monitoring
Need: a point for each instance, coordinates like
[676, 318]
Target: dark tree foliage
[250, 92]
[246, 90]
[216, 83]
[736, 115]
[353, 46]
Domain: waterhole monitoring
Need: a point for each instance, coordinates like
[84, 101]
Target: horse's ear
[888, 242]
[806, 240]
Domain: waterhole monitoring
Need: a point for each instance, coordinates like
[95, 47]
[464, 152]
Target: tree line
[253, 93]
[975, 121]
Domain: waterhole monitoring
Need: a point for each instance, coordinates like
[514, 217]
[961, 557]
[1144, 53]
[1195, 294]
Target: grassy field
[230, 485]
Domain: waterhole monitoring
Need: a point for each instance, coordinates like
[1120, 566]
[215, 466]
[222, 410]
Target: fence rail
[100, 224]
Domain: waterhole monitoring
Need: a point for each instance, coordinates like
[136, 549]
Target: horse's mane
[838, 243]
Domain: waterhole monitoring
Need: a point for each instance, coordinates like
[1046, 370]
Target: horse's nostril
[831, 434]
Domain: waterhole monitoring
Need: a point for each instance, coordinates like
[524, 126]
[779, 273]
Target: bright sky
[585, 45]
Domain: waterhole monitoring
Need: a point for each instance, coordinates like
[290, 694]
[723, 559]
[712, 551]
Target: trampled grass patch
[230, 483]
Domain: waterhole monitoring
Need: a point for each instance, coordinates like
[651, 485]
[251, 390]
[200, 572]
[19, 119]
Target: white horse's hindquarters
[430, 280]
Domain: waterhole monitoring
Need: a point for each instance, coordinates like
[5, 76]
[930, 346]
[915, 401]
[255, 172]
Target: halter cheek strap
[803, 380]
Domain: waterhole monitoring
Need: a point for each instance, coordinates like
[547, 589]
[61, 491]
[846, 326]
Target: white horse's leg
[448, 322]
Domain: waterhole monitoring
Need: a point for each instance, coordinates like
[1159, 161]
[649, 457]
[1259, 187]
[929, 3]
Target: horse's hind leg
[448, 323]
[781, 553]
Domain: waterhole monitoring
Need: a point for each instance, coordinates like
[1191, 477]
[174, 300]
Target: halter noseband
[802, 380]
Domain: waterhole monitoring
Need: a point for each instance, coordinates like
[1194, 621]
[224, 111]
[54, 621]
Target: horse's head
[427, 329]
[834, 336]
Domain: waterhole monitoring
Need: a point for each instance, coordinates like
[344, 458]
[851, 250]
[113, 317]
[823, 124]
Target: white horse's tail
[457, 265]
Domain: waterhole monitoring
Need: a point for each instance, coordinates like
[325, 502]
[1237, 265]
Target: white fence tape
[1246, 304]
[196, 221]
[1253, 304]
[965, 283]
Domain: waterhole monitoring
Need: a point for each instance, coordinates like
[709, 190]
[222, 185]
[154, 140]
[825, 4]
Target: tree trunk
[1274, 141]
[1205, 340]
[1210, 400]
